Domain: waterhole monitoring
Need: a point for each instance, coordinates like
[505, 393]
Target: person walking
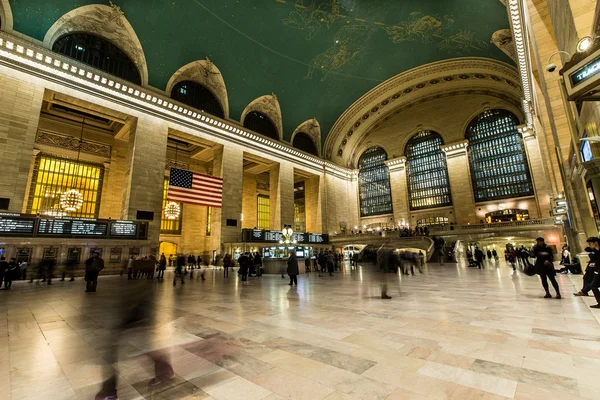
[593, 251]
[244, 267]
[179, 269]
[292, 269]
[69, 270]
[227, 263]
[11, 273]
[544, 267]
[330, 262]
[479, 257]
[50, 264]
[93, 266]
[3, 269]
[421, 261]
[162, 266]
[307, 265]
[512, 258]
[565, 256]
[258, 264]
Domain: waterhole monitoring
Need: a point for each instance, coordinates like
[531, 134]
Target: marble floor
[449, 333]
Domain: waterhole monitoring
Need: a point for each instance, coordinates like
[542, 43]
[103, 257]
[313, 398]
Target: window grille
[169, 226]
[427, 172]
[195, 95]
[264, 212]
[260, 123]
[374, 183]
[499, 167]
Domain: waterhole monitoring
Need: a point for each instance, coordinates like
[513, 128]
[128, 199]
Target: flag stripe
[192, 197]
[202, 202]
[196, 191]
[208, 178]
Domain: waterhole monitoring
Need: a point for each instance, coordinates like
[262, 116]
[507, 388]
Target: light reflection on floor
[450, 333]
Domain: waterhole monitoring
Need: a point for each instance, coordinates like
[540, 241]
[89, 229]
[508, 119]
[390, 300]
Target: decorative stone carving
[206, 73]
[176, 164]
[263, 185]
[269, 106]
[313, 129]
[6, 16]
[108, 22]
[72, 143]
[503, 39]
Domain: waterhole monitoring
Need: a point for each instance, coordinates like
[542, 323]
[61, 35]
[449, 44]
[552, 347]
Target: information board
[123, 229]
[89, 228]
[14, 224]
[256, 235]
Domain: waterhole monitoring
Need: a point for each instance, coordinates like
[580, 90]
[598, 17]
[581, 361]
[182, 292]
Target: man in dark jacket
[3, 269]
[593, 250]
[479, 257]
[179, 269]
[292, 269]
[93, 266]
[544, 267]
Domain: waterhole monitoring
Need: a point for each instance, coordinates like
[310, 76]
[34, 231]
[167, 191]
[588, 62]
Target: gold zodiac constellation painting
[354, 33]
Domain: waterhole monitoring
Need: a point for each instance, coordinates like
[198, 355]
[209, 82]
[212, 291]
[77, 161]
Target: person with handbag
[544, 267]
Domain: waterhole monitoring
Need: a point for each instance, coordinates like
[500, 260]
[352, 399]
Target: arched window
[260, 123]
[427, 172]
[98, 53]
[304, 142]
[195, 95]
[499, 168]
[374, 183]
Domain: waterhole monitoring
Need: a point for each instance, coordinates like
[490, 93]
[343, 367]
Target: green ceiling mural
[318, 56]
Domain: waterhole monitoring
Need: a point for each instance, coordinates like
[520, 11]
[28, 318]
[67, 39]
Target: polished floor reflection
[450, 333]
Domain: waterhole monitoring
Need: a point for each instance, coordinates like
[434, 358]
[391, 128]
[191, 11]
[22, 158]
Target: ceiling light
[584, 44]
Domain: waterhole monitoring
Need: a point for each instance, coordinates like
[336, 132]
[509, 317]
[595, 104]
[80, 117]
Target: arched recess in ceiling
[6, 17]
[307, 137]
[467, 76]
[206, 73]
[268, 106]
[108, 22]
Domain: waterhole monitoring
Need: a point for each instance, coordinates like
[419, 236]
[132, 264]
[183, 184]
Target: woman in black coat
[292, 269]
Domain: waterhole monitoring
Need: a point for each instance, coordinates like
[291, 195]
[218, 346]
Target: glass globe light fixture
[172, 210]
[71, 200]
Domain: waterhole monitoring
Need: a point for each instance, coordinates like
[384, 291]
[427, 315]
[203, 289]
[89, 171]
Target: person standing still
[93, 266]
[226, 265]
[179, 269]
[544, 267]
[292, 269]
[162, 266]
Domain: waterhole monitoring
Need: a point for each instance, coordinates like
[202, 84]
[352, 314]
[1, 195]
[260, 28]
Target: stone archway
[269, 106]
[108, 22]
[6, 16]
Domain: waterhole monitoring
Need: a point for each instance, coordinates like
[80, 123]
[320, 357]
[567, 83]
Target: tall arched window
[98, 53]
[195, 95]
[260, 123]
[304, 142]
[499, 168]
[427, 172]
[374, 183]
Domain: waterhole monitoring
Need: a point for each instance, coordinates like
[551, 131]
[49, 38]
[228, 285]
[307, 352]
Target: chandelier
[287, 234]
[72, 200]
[172, 210]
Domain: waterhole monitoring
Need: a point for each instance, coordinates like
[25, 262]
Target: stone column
[249, 202]
[314, 203]
[538, 173]
[461, 186]
[281, 188]
[20, 107]
[399, 186]
[228, 163]
[145, 172]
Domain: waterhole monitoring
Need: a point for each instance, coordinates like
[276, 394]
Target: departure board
[14, 224]
[57, 227]
[89, 228]
[125, 229]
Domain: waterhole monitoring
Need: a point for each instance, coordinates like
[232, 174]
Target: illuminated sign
[256, 235]
[586, 72]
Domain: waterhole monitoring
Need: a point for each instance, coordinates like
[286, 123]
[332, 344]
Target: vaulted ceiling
[317, 56]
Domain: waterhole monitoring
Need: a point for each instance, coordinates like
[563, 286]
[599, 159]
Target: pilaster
[20, 106]
[538, 172]
[281, 195]
[145, 172]
[399, 186]
[461, 187]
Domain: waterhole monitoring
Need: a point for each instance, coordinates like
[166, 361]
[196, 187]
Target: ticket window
[24, 255]
[50, 254]
[74, 255]
[96, 250]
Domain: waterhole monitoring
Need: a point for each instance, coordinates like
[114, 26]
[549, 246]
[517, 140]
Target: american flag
[191, 188]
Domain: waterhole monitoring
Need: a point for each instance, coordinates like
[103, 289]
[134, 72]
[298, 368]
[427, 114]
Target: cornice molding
[426, 80]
